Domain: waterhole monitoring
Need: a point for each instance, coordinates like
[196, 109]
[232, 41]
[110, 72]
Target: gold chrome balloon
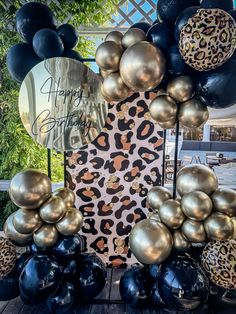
[163, 109]
[17, 238]
[104, 74]
[181, 88]
[115, 36]
[30, 188]
[108, 56]
[154, 216]
[150, 241]
[114, 88]
[224, 200]
[168, 124]
[133, 36]
[196, 205]
[180, 243]
[157, 196]
[67, 195]
[193, 113]
[142, 66]
[71, 223]
[171, 214]
[26, 221]
[219, 227]
[52, 210]
[193, 231]
[196, 178]
[45, 236]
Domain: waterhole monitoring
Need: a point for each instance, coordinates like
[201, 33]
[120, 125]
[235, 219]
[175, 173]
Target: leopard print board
[7, 257]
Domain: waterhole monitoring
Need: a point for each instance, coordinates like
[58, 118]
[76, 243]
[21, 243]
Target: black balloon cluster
[36, 24]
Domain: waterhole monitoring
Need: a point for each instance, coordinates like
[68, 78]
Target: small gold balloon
[180, 243]
[154, 216]
[108, 56]
[193, 113]
[133, 36]
[196, 177]
[163, 109]
[114, 88]
[26, 221]
[193, 231]
[52, 210]
[170, 124]
[196, 205]
[224, 200]
[71, 223]
[104, 74]
[142, 66]
[181, 88]
[115, 36]
[234, 223]
[171, 214]
[157, 196]
[30, 188]
[45, 236]
[219, 227]
[67, 195]
[17, 238]
[150, 241]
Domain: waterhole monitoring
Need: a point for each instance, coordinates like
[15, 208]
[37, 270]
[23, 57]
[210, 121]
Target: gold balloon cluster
[42, 214]
[129, 63]
[179, 103]
[204, 212]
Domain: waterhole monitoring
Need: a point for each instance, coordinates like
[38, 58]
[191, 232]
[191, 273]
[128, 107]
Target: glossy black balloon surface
[233, 14]
[175, 63]
[72, 54]
[9, 287]
[161, 34]
[21, 262]
[33, 248]
[182, 284]
[69, 35]
[155, 296]
[62, 301]
[225, 5]
[144, 26]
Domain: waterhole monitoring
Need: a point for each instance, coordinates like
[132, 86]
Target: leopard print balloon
[208, 39]
[7, 257]
[219, 261]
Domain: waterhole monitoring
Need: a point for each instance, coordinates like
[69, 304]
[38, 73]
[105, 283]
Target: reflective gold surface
[171, 214]
[71, 223]
[196, 178]
[181, 88]
[61, 105]
[157, 196]
[219, 227]
[133, 36]
[224, 200]
[180, 243]
[163, 109]
[45, 236]
[115, 36]
[193, 231]
[52, 210]
[150, 241]
[168, 124]
[108, 56]
[30, 188]
[67, 196]
[114, 88]
[26, 221]
[196, 205]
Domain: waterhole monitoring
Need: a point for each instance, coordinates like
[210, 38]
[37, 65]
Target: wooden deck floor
[108, 302]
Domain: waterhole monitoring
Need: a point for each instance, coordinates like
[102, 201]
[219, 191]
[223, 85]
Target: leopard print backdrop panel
[111, 178]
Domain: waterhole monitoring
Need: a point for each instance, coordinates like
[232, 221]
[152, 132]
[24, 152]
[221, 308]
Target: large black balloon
[155, 296]
[72, 54]
[196, 250]
[21, 58]
[170, 9]
[233, 14]
[225, 5]
[69, 35]
[21, 262]
[33, 248]
[182, 19]
[39, 278]
[182, 284]
[135, 286]
[32, 17]
[9, 286]
[161, 34]
[217, 88]
[175, 63]
[144, 26]
[222, 301]
[62, 301]
[47, 44]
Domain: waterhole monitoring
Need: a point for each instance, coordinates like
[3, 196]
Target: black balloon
[70, 271]
[72, 54]
[62, 301]
[153, 270]
[196, 250]
[222, 301]
[233, 14]
[135, 286]
[33, 248]
[225, 5]
[155, 296]
[21, 262]
[175, 63]
[21, 58]
[32, 17]
[217, 88]
[144, 26]
[69, 35]
[161, 34]
[39, 278]
[47, 44]
[182, 284]
[182, 19]
[9, 286]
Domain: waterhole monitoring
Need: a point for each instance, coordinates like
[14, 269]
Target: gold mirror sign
[60, 104]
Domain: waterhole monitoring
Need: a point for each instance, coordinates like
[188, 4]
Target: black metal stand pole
[163, 158]
[64, 165]
[176, 158]
[49, 163]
